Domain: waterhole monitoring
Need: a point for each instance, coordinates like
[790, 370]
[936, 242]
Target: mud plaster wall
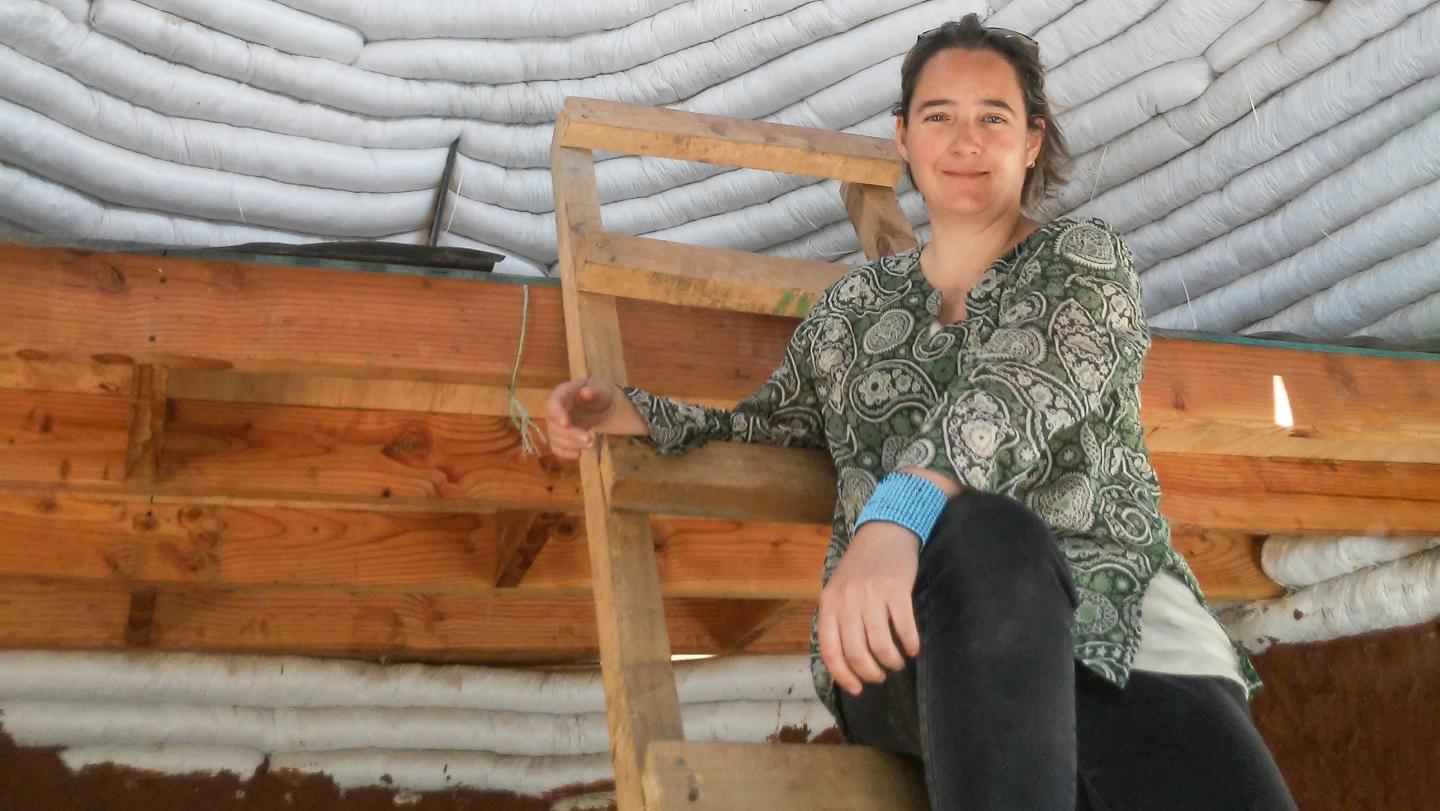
[1355, 723]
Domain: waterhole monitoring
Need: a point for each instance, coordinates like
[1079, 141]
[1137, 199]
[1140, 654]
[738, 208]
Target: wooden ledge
[698, 276]
[665, 133]
[722, 480]
[743, 776]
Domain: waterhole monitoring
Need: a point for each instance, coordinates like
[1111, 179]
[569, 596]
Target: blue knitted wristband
[907, 500]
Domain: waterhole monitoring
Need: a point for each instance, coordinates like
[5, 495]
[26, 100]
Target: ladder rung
[722, 480]
[745, 776]
[683, 135]
[699, 276]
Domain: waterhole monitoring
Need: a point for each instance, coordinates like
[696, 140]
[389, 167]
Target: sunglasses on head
[1004, 32]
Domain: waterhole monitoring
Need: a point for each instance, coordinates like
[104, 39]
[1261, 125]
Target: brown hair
[1023, 54]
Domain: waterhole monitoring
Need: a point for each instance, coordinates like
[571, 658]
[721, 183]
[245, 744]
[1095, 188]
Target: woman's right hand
[574, 412]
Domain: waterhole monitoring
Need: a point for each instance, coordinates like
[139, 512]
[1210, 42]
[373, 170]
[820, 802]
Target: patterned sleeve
[1071, 332]
[784, 411]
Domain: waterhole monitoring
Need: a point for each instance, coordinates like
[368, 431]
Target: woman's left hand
[868, 594]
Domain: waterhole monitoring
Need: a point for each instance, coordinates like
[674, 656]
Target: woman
[998, 546]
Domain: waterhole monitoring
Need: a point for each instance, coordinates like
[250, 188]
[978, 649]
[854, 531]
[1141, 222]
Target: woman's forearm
[624, 418]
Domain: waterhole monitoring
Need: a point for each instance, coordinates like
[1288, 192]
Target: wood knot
[411, 446]
[551, 465]
[144, 523]
[567, 528]
[39, 421]
[122, 561]
[109, 279]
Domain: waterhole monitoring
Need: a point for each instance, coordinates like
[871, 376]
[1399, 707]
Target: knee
[994, 540]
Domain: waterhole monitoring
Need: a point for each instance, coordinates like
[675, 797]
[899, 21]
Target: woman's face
[967, 141]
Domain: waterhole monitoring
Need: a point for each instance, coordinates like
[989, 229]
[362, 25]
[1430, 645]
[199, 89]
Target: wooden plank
[1227, 564]
[1199, 396]
[879, 221]
[700, 276]
[503, 626]
[790, 634]
[187, 313]
[141, 542]
[141, 617]
[48, 614]
[33, 370]
[351, 393]
[703, 776]
[665, 133]
[371, 458]
[520, 537]
[1218, 398]
[729, 480]
[1266, 496]
[696, 353]
[724, 480]
[47, 535]
[254, 455]
[703, 557]
[765, 617]
[641, 702]
[147, 426]
[63, 438]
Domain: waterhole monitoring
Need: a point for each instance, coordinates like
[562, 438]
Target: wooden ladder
[624, 482]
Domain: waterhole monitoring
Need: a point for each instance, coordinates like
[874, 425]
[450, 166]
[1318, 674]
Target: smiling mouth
[965, 175]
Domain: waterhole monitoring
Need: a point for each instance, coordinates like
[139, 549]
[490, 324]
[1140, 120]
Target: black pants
[1002, 715]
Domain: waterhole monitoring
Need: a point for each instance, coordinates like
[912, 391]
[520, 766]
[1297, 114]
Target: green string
[519, 417]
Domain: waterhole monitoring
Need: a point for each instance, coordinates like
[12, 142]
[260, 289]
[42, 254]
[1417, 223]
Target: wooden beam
[1218, 397]
[1227, 564]
[504, 626]
[60, 438]
[370, 457]
[47, 614]
[1200, 396]
[141, 617]
[45, 536]
[351, 393]
[1298, 496]
[147, 427]
[699, 276]
[742, 482]
[665, 133]
[187, 313]
[280, 456]
[32, 370]
[724, 480]
[703, 776]
[879, 221]
[521, 536]
[641, 702]
[764, 617]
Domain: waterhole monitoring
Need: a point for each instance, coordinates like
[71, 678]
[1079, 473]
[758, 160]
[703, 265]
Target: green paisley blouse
[1034, 394]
